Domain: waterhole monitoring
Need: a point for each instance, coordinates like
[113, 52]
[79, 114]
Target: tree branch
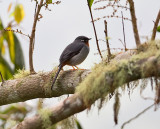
[39, 85]
[32, 37]
[76, 102]
[68, 107]
[134, 22]
[155, 26]
[139, 67]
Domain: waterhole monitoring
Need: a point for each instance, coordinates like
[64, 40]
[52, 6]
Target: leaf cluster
[10, 45]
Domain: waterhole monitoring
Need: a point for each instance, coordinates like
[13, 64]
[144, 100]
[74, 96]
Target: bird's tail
[54, 80]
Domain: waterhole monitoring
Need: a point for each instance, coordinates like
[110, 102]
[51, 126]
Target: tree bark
[39, 85]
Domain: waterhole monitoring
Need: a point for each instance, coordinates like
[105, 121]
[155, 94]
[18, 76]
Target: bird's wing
[70, 51]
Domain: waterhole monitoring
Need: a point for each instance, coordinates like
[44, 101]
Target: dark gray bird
[74, 54]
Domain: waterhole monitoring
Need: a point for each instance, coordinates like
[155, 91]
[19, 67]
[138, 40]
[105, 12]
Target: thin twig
[111, 16]
[17, 31]
[2, 78]
[95, 32]
[35, 10]
[107, 42]
[124, 37]
[155, 26]
[99, 1]
[110, 5]
[127, 122]
[57, 2]
[134, 23]
[121, 49]
[121, 41]
[32, 37]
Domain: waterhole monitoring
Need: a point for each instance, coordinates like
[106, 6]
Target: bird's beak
[90, 38]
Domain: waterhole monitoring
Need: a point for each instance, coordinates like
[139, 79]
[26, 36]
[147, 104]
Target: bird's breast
[80, 57]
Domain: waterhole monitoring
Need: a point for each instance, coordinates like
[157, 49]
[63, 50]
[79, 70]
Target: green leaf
[19, 58]
[14, 109]
[12, 14]
[158, 28]
[48, 1]
[1, 25]
[5, 69]
[9, 7]
[90, 2]
[19, 13]
[2, 48]
[108, 38]
[78, 125]
[10, 40]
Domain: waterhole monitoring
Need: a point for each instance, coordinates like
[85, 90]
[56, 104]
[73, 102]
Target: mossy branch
[103, 80]
[27, 87]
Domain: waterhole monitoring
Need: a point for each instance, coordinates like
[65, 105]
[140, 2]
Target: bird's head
[83, 39]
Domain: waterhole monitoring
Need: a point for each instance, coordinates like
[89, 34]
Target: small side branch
[2, 78]
[32, 37]
[110, 5]
[124, 37]
[111, 16]
[155, 26]
[107, 42]
[95, 31]
[134, 22]
[17, 31]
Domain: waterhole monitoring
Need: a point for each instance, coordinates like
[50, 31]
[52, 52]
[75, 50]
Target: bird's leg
[78, 68]
[73, 68]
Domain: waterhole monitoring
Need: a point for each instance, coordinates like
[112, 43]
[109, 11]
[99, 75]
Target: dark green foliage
[12, 114]
[15, 52]
[48, 1]
[78, 124]
[19, 58]
[90, 2]
[158, 28]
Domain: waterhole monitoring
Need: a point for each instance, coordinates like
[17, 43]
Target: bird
[74, 54]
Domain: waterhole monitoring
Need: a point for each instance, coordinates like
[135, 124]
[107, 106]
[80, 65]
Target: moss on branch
[105, 78]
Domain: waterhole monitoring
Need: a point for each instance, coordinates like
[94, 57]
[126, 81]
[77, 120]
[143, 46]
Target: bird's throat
[87, 43]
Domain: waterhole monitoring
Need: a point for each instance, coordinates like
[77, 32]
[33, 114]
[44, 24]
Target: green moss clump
[21, 73]
[68, 123]
[45, 116]
[105, 78]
